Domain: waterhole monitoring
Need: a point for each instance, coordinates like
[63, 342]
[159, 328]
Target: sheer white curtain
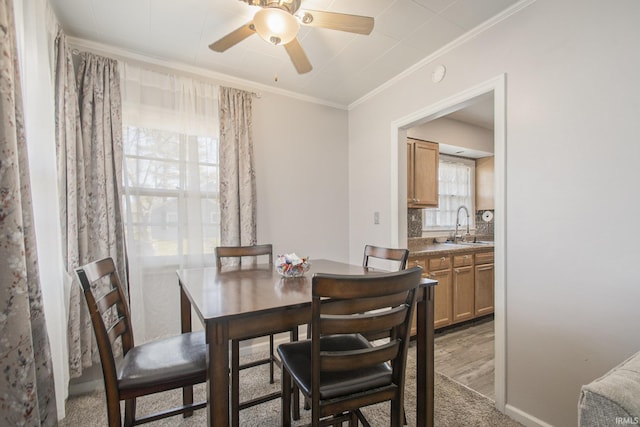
[171, 189]
[455, 188]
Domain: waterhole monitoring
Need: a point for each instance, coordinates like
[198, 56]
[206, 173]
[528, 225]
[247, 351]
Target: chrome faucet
[455, 236]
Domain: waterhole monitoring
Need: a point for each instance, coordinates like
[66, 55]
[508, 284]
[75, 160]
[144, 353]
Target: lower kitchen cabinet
[484, 283]
[465, 286]
[463, 294]
[442, 298]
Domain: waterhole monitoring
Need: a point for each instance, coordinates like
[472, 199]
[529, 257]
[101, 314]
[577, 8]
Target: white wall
[454, 133]
[301, 175]
[572, 129]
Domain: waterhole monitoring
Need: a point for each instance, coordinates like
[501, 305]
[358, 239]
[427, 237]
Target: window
[456, 183]
[171, 182]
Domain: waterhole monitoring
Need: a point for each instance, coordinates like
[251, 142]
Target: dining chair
[254, 252]
[153, 367]
[338, 369]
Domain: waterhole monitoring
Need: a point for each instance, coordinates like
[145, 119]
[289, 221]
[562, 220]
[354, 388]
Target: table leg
[425, 358]
[185, 312]
[217, 373]
[185, 326]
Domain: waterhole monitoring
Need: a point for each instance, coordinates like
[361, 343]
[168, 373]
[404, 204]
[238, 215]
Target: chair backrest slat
[118, 329]
[361, 305]
[243, 251]
[367, 322]
[108, 300]
[345, 361]
[389, 254]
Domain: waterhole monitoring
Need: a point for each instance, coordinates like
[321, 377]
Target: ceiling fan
[278, 22]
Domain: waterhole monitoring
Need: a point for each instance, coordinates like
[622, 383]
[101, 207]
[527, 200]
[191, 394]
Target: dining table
[242, 301]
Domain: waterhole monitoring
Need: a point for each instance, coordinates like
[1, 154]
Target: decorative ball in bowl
[290, 265]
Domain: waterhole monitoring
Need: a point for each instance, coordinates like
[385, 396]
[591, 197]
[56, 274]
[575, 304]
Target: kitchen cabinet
[463, 288]
[484, 283]
[423, 158]
[484, 184]
[437, 268]
[442, 298]
[465, 285]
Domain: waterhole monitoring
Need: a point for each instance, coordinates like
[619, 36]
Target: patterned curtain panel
[237, 174]
[27, 393]
[89, 142]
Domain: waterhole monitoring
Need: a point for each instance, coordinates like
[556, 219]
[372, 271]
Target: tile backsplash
[414, 222]
[484, 228]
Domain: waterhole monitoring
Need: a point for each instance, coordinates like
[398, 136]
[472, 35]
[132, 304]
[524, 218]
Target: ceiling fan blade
[298, 57]
[337, 21]
[233, 38]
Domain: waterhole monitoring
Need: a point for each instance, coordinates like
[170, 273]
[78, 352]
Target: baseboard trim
[261, 345]
[524, 417]
[86, 387]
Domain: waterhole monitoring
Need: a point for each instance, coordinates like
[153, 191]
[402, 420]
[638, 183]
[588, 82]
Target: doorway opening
[496, 89]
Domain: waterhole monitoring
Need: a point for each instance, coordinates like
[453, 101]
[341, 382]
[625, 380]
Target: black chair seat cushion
[296, 356]
[163, 360]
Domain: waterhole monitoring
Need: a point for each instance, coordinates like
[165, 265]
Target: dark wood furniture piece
[278, 303]
[240, 253]
[399, 255]
[153, 367]
[339, 369]
[390, 254]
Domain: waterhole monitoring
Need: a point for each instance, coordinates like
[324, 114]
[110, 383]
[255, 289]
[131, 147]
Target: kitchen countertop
[427, 247]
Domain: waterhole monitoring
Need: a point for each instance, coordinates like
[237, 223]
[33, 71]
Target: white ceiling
[345, 66]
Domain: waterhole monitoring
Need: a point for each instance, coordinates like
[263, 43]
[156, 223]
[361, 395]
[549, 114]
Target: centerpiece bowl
[290, 265]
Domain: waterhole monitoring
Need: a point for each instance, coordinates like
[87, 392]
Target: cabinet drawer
[439, 263]
[417, 262]
[484, 258]
[462, 260]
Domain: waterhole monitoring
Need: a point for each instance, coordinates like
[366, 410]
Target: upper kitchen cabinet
[423, 158]
[484, 184]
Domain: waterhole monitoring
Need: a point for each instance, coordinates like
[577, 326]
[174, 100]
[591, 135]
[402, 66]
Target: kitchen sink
[478, 243]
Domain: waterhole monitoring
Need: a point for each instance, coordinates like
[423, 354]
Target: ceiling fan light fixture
[275, 25]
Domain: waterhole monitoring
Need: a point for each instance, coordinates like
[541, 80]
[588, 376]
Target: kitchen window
[456, 187]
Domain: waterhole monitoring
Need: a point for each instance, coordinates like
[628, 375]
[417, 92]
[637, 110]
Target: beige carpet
[455, 405]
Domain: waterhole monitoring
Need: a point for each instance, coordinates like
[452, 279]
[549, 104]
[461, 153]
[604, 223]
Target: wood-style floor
[466, 354]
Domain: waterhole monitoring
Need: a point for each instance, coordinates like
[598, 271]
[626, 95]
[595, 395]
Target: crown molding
[445, 49]
[215, 77]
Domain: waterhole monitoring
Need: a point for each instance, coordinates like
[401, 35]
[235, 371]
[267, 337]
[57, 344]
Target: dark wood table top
[242, 291]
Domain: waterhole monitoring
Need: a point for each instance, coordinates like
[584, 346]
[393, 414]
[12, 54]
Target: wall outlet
[376, 218]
